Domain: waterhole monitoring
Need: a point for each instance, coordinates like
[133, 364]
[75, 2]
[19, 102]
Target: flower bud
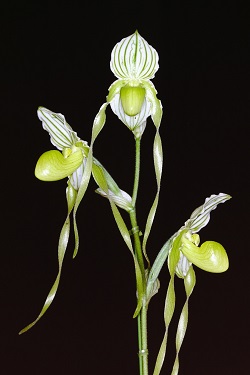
[132, 98]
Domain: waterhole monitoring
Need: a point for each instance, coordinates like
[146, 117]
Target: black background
[57, 55]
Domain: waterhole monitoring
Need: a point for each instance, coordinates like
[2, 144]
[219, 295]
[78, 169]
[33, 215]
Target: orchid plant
[133, 98]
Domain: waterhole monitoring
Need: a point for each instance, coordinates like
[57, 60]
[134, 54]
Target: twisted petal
[133, 58]
[61, 133]
[62, 246]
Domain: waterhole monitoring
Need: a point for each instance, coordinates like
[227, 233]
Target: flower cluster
[133, 98]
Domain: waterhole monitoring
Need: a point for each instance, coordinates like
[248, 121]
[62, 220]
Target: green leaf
[53, 166]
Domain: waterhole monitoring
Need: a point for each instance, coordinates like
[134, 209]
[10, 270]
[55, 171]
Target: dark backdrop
[57, 56]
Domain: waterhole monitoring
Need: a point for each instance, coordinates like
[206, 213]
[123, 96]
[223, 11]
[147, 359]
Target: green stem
[139, 343]
[142, 316]
[137, 169]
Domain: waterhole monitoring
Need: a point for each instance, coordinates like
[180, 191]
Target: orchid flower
[183, 251]
[132, 96]
[55, 165]
[210, 256]
[71, 161]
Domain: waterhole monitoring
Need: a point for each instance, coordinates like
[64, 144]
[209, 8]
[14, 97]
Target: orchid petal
[189, 282]
[98, 125]
[156, 106]
[62, 246]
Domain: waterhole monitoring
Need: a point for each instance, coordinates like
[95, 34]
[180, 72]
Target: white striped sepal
[201, 216]
[134, 59]
[61, 133]
[132, 96]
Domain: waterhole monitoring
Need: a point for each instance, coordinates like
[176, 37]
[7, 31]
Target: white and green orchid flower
[75, 162]
[210, 256]
[55, 165]
[132, 96]
[183, 251]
